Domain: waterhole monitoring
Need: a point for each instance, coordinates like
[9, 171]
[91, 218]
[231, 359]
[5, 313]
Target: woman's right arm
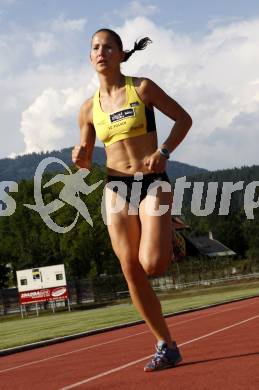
[82, 154]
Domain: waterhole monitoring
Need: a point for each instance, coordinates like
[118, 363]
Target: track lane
[27, 358]
[134, 362]
[74, 365]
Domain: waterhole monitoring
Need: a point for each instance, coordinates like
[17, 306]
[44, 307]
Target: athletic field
[16, 331]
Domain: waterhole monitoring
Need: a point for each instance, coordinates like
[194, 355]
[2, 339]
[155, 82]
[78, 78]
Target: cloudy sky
[204, 54]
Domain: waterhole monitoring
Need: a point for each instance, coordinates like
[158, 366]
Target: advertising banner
[44, 295]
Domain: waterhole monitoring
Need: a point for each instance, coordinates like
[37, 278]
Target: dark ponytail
[138, 45]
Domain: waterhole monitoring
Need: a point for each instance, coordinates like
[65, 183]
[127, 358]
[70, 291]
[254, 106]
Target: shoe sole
[164, 367]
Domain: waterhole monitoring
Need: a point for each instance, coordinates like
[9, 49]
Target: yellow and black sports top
[131, 120]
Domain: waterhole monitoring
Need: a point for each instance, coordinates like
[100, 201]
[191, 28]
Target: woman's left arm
[154, 96]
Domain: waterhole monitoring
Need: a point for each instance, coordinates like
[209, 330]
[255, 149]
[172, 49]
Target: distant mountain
[24, 167]
[245, 173]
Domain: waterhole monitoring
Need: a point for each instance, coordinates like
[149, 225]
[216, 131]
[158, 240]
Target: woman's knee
[131, 267]
[155, 265]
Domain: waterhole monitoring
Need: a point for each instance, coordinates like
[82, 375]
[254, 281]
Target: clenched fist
[156, 162]
[80, 157]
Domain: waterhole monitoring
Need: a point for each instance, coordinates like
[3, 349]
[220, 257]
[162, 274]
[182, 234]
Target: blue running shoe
[164, 357]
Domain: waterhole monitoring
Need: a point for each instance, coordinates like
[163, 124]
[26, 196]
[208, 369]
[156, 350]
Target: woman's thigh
[155, 251]
[124, 230]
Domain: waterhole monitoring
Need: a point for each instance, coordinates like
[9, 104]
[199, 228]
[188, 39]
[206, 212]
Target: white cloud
[13, 49]
[44, 44]
[39, 123]
[68, 25]
[234, 145]
[19, 92]
[136, 8]
[50, 121]
[217, 21]
[133, 9]
[19, 44]
[214, 78]
[19, 47]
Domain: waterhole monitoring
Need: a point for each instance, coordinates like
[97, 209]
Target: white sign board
[41, 278]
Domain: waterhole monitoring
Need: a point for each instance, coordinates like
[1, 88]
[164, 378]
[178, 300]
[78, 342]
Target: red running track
[220, 347]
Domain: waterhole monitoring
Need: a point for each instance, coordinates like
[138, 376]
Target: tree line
[26, 241]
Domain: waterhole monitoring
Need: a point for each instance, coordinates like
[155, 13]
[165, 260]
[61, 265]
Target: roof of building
[210, 247]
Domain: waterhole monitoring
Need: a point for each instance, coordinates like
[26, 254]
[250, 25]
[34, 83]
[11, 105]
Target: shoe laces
[159, 355]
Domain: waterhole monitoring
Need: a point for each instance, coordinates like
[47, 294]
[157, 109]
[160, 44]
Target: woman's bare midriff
[129, 156]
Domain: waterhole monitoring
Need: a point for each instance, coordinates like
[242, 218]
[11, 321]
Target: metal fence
[168, 283]
[108, 289]
[92, 291]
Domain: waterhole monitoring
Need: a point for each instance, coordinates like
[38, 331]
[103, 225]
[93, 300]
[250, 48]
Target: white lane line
[92, 378]
[118, 339]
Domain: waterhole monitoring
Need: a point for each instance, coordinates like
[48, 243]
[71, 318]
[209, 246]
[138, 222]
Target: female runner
[121, 114]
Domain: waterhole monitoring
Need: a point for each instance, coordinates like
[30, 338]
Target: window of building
[35, 274]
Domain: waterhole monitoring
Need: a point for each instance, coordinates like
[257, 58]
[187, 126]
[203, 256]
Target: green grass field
[16, 331]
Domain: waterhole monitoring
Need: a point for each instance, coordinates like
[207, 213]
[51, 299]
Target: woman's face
[105, 53]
